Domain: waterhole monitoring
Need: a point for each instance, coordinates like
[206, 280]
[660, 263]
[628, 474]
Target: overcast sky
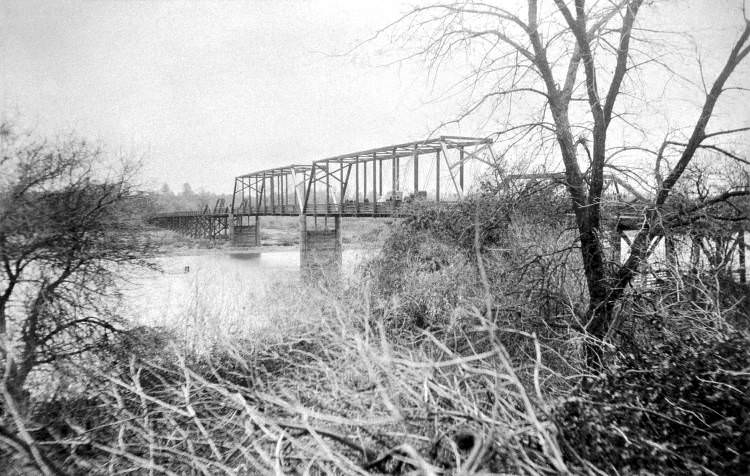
[207, 90]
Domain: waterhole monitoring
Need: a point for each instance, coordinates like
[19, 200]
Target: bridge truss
[368, 183]
[376, 182]
[371, 182]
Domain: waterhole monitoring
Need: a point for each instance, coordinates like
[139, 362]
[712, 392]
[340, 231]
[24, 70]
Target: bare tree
[560, 74]
[65, 228]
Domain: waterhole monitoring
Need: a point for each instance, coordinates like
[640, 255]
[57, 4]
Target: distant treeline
[165, 200]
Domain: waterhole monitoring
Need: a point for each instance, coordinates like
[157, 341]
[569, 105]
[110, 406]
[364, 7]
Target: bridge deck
[353, 209]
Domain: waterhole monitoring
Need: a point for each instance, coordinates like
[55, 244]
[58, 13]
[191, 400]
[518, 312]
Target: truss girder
[372, 182]
[274, 191]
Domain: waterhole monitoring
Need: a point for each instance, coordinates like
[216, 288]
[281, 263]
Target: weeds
[335, 395]
[448, 357]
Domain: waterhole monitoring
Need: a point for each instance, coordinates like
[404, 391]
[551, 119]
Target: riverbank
[239, 367]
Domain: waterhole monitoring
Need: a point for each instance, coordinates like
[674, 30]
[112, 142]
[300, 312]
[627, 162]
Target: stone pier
[245, 234]
[320, 250]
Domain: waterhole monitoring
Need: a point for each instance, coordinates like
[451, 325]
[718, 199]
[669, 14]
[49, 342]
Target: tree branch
[735, 57]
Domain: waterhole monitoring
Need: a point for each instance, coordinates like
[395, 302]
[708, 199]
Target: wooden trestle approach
[375, 183]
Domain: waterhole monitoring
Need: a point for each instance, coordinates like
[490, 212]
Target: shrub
[427, 275]
[681, 408]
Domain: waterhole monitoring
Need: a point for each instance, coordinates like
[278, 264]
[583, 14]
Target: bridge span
[369, 183]
[377, 182]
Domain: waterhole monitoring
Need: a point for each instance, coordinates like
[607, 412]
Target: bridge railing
[192, 213]
[281, 210]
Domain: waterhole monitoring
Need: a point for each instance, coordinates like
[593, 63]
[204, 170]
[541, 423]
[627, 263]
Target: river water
[219, 293]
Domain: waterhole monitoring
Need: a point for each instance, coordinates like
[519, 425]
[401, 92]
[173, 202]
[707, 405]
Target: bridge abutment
[320, 250]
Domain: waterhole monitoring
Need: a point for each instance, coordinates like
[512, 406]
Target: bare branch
[738, 53]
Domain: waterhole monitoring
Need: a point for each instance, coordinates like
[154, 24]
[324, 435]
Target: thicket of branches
[571, 81]
[468, 346]
[67, 227]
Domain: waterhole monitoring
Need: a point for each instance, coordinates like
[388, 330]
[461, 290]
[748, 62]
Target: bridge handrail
[190, 213]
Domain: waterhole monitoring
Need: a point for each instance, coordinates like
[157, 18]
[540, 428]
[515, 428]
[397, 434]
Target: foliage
[164, 200]
[681, 407]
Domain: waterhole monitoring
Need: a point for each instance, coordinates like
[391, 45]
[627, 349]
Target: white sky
[207, 90]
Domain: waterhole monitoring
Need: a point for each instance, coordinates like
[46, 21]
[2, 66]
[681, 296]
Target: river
[218, 293]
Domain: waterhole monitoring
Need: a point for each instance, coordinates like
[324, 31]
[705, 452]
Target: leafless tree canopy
[65, 228]
[575, 82]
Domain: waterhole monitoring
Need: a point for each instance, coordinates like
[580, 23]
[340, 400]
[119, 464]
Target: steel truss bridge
[368, 183]
[376, 183]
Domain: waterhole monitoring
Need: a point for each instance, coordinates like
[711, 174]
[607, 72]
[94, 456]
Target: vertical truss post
[314, 177]
[230, 215]
[258, 188]
[364, 179]
[297, 196]
[248, 205]
[255, 204]
[380, 175]
[263, 191]
[242, 192]
[437, 176]
[374, 185]
[461, 168]
[356, 184]
[394, 164]
[416, 169]
[328, 189]
[272, 179]
[245, 203]
[341, 186]
[234, 194]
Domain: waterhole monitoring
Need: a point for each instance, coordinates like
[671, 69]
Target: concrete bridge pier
[244, 233]
[320, 250]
